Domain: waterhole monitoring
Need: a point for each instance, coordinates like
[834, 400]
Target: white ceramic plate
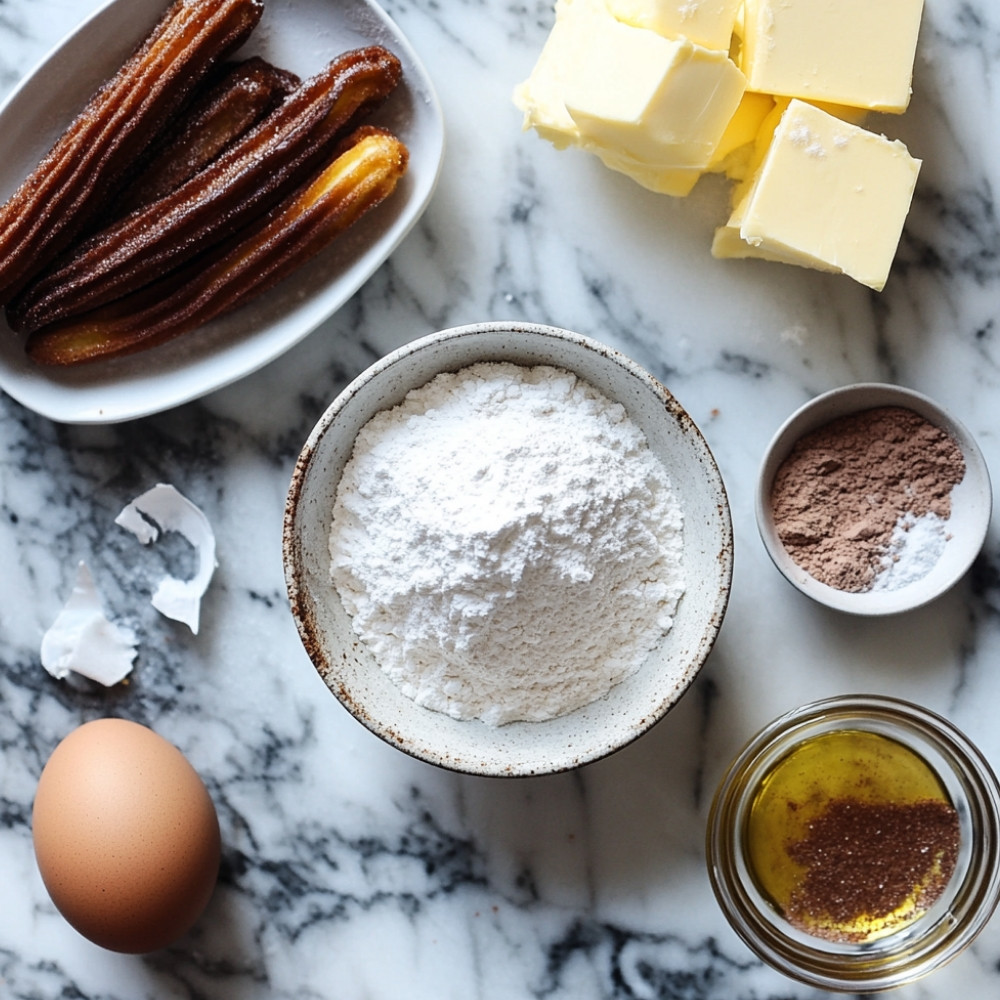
[300, 35]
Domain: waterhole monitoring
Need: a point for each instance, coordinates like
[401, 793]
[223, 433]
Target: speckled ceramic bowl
[971, 501]
[519, 748]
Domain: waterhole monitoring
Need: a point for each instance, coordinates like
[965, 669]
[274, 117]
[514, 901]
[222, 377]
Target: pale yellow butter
[734, 152]
[661, 101]
[845, 112]
[650, 107]
[748, 135]
[675, 181]
[705, 22]
[656, 90]
[855, 52]
[541, 96]
[827, 195]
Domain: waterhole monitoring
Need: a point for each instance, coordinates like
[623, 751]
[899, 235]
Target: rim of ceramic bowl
[584, 738]
[972, 500]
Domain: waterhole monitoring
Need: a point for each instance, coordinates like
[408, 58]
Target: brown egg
[126, 836]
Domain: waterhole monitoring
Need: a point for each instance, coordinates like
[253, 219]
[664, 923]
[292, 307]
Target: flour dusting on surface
[506, 543]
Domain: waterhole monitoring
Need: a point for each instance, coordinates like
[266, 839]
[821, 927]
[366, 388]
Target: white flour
[507, 544]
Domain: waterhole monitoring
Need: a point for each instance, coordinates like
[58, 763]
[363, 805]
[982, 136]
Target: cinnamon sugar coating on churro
[365, 172]
[248, 179]
[68, 188]
[226, 109]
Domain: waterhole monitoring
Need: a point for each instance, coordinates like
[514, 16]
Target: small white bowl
[971, 500]
[520, 748]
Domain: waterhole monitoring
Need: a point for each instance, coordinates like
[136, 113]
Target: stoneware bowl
[971, 501]
[519, 748]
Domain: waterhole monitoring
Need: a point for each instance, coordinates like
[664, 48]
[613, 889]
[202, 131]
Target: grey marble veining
[349, 870]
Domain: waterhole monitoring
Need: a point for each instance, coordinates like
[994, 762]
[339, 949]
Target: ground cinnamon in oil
[866, 861]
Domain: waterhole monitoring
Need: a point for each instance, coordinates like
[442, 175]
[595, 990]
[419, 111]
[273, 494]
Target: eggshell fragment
[172, 511]
[83, 641]
[126, 836]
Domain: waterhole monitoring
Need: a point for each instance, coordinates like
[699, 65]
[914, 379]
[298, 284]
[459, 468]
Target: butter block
[828, 195]
[748, 136]
[675, 181]
[752, 155]
[540, 97]
[845, 112]
[650, 107]
[660, 101]
[854, 52]
[708, 23]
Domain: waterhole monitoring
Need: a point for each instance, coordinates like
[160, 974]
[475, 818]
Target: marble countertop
[351, 871]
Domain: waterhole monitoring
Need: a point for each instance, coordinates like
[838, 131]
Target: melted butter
[849, 778]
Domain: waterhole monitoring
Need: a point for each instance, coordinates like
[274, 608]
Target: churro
[62, 195]
[361, 176]
[226, 109]
[248, 179]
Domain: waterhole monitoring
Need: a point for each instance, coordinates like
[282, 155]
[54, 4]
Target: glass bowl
[892, 955]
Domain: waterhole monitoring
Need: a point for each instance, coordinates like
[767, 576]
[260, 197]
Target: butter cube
[675, 181]
[845, 112]
[855, 52]
[827, 195]
[660, 101]
[540, 97]
[650, 107]
[708, 23]
[748, 135]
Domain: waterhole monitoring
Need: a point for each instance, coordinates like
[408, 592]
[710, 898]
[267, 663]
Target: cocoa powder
[838, 496]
